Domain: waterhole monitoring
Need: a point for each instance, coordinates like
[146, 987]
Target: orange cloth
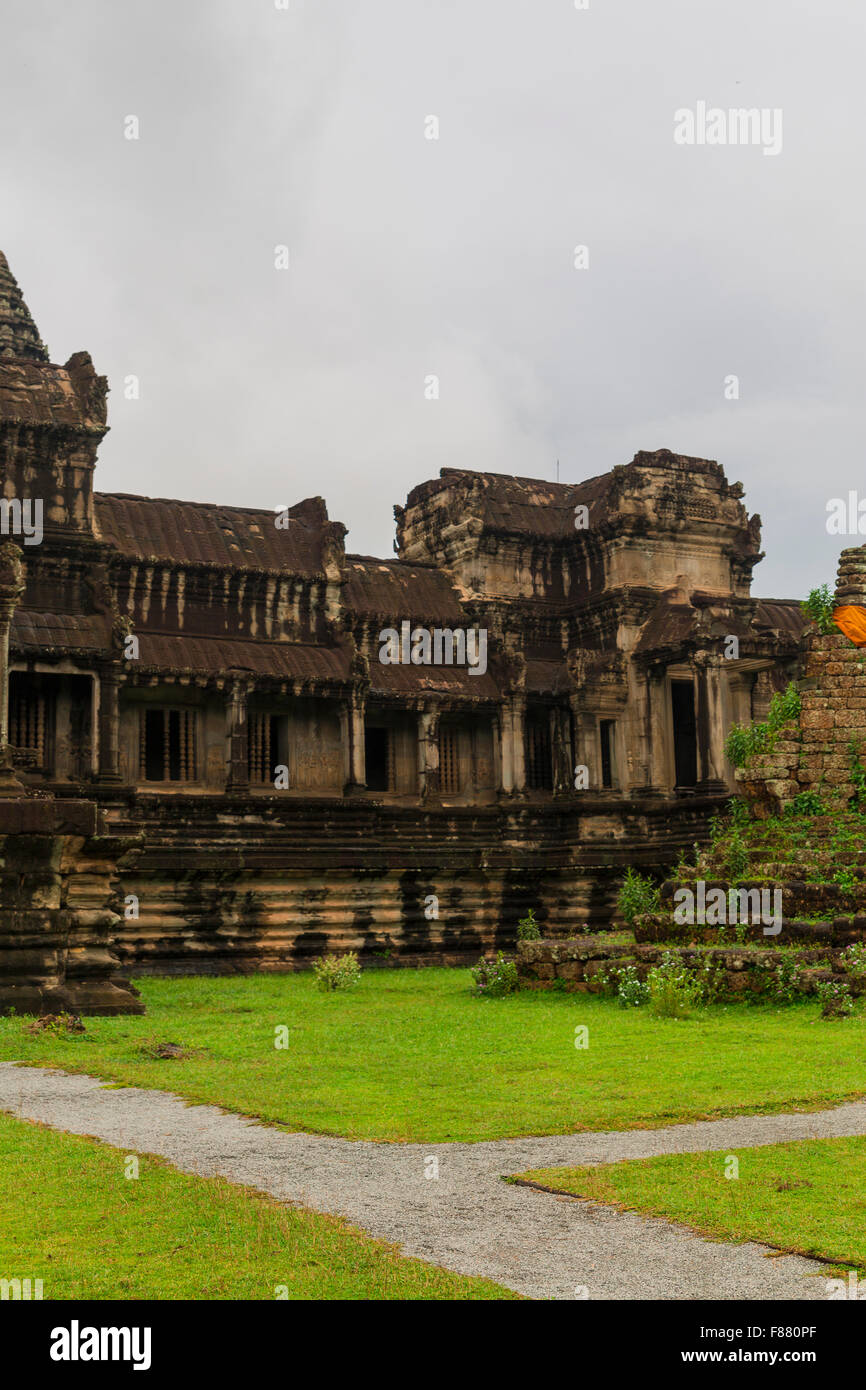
[851, 621]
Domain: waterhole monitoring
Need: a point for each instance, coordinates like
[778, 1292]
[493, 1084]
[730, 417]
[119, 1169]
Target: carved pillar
[518, 723]
[506, 749]
[109, 723]
[586, 751]
[357, 753]
[710, 723]
[563, 764]
[238, 734]
[656, 686]
[11, 589]
[428, 752]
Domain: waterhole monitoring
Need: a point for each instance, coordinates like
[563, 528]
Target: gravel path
[467, 1219]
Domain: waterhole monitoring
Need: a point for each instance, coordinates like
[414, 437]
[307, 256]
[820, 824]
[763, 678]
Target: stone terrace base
[239, 884]
[56, 918]
[744, 970]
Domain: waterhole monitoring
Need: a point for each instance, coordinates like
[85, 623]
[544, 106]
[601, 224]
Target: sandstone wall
[241, 884]
[57, 920]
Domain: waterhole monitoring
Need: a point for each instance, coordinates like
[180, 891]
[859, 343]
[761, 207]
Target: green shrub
[846, 880]
[495, 977]
[674, 990]
[854, 960]
[528, 929]
[737, 858]
[818, 608]
[337, 972]
[858, 776]
[835, 998]
[637, 895]
[631, 990]
[744, 742]
[806, 804]
[784, 984]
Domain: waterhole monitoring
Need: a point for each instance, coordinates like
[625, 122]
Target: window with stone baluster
[167, 745]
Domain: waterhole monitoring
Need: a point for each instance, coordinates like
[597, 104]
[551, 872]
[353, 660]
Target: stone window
[263, 748]
[167, 745]
[449, 759]
[30, 722]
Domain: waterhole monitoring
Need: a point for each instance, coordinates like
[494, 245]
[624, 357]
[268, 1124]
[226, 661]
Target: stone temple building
[211, 680]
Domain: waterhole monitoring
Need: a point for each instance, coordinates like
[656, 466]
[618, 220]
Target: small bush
[743, 742]
[737, 858]
[806, 804]
[495, 977]
[858, 776]
[528, 929]
[337, 972]
[55, 1024]
[846, 880]
[674, 990]
[818, 608]
[632, 992]
[854, 960]
[835, 998]
[637, 895]
[784, 984]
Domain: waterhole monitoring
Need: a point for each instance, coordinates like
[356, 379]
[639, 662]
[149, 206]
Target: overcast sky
[410, 257]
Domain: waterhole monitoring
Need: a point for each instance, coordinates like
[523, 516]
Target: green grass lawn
[70, 1217]
[413, 1055]
[808, 1197]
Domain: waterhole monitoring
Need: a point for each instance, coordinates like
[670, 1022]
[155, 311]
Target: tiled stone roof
[161, 528]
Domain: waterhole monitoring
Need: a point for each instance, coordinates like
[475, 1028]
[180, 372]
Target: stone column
[518, 712]
[586, 752]
[710, 723]
[563, 763]
[238, 733]
[428, 753]
[357, 753]
[657, 770]
[11, 589]
[109, 724]
[506, 749]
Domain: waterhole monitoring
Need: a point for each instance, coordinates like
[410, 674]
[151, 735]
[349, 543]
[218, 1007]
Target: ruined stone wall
[578, 966]
[819, 751]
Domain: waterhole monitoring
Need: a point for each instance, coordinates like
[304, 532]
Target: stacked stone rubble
[820, 751]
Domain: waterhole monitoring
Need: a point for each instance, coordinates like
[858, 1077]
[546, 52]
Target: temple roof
[292, 661]
[396, 589]
[204, 533]
[86, 632]
[509, 503]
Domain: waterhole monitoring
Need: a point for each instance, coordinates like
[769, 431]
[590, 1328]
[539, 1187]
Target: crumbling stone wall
[818, 751]
[576, 966]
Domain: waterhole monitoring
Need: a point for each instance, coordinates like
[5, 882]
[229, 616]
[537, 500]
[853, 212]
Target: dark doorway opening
[539, 763]
[685, 734]
[376, 754]
[605, 729]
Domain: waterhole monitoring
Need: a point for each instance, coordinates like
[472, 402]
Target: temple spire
[19, 336]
